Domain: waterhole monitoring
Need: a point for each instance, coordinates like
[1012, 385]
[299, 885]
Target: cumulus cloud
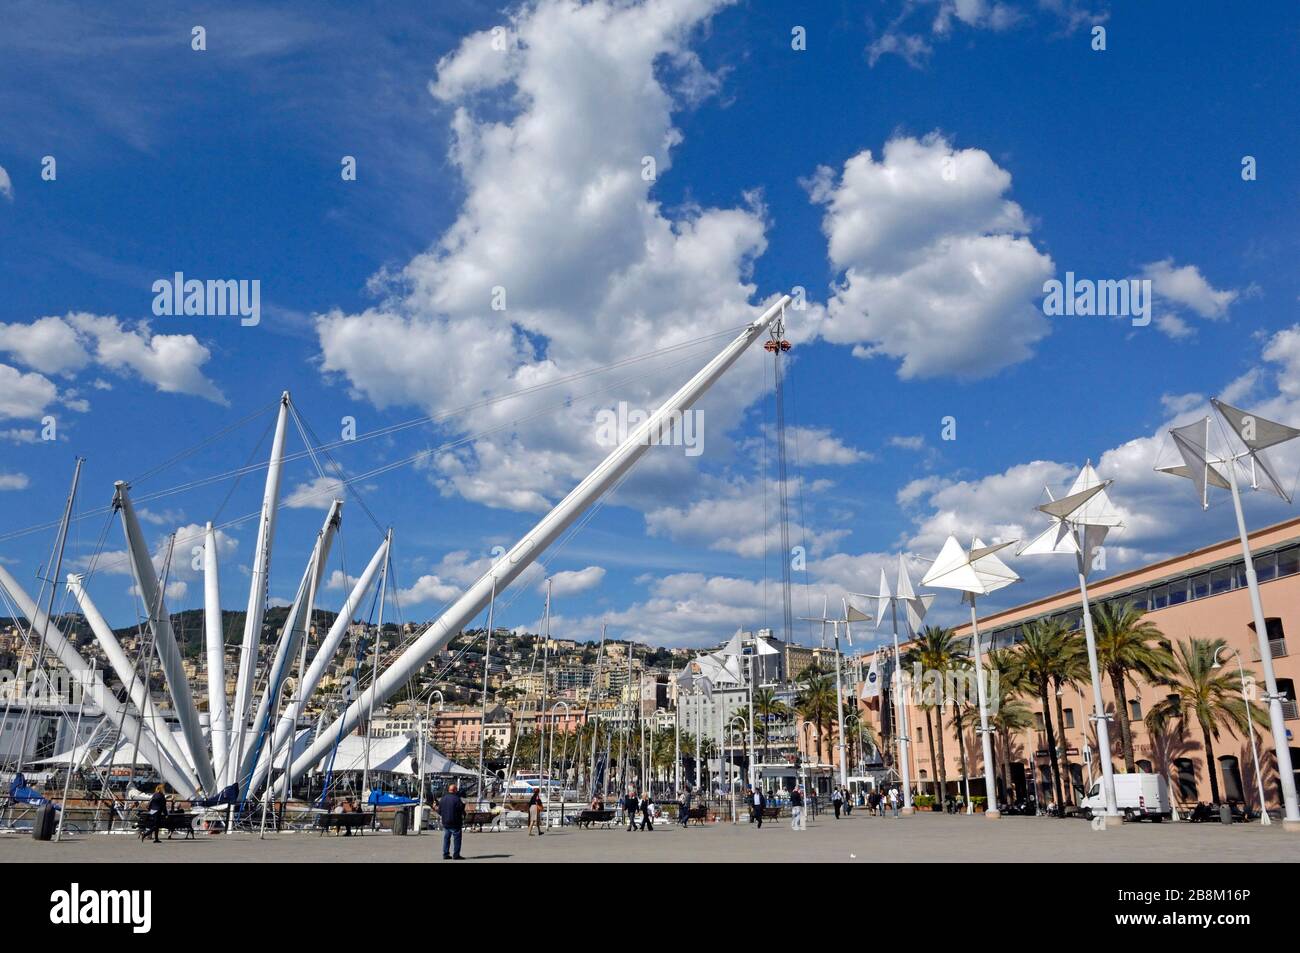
[172, 363]
[938, 271]
[552, 121]
[6, 185]
[24, 396]
[13, 481]
[1182, 289]
[572, 581]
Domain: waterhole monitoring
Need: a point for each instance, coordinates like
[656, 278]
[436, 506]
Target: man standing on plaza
[837, 798]
[796, 809]
[451, 811]
[684, 809]
[631, 807]
[758, 802]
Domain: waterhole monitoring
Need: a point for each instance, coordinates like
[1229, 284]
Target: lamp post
[1264, 819]
[731, 782]
[547, 775]
[914, 609]
[424, 732]
[1256, 434]
[975, 573]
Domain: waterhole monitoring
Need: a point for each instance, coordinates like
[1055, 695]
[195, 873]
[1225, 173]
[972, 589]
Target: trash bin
[1225, 813]
[43, 825]
[401, 820]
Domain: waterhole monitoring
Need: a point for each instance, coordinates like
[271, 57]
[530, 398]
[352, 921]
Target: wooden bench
[171, 823]
[345, 823]
[771, 813]
[476, 819]
[587, 818]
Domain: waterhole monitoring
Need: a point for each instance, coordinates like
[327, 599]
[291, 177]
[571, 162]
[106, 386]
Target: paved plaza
[854, 839]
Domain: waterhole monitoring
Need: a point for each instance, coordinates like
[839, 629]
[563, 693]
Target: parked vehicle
[1138, 797]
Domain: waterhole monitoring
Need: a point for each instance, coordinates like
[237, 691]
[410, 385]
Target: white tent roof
[397, 755]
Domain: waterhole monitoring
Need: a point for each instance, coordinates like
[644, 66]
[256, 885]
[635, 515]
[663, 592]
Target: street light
[547, 774]
[731, 784]
[976, 573]
[1080, 521]
[424, 729]
[1256, 434]
[1264, 819]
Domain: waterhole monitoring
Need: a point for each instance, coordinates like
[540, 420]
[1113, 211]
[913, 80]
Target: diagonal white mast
[215, 643]
[257, 589]
[169, 655]
[295, 628]
[137, 689]
[324, 655]
[536, 540]
[80, 670]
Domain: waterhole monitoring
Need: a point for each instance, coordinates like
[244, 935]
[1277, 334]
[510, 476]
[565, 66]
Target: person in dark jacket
[631, 807]
[157, 811]
[451, 811]
[684, 809]
[647, 812]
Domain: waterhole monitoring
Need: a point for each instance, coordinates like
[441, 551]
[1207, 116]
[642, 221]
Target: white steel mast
[548, 529]
[215, 644]
[257, 589]
[169, 655]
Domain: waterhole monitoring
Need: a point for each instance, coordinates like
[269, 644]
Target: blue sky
[520, 167]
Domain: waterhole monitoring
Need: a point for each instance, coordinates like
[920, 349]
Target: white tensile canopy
[396, 755]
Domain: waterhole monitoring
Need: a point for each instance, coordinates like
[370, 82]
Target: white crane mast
[533, 543]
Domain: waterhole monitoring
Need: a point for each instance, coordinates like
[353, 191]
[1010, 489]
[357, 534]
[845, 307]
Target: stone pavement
[859, 838]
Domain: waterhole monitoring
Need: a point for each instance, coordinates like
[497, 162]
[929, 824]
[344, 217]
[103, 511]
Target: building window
[1286, 688]
[1038, 721]
[1178, 592]
[1288, 561]
[1134, 710]
[1201, 585]
[1221, 580]
[1186, 769]
[1159, 597]
[1068, 715]
[1143, 766]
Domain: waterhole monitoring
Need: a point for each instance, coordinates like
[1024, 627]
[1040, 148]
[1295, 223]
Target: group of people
[639, 805]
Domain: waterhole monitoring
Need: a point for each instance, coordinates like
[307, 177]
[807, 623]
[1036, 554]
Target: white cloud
[910, 442]
[572, 581]
[64, 345]
[555, 129]
[938, 272]
[49, 345]
[13, 481]
[24, 396]
[6, 184]
[819, 447]
[318, 494]
[1178, 289]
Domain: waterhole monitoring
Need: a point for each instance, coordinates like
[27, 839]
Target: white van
[1138, 797]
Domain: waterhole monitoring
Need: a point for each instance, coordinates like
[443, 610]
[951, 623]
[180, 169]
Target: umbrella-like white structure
[1080, 521]
[1255, 435]
[851, 615]
[914, 609]
[975, 573]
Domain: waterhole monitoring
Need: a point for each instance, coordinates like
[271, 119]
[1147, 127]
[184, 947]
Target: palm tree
[935, 650]
[1072, 669]
[767, 706]
[1128, 646]
[816, 703]
[1205, 695]
[1010, 715]
[1044, 643]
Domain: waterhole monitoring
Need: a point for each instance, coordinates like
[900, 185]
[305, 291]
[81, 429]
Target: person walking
[535, 814]
[894, 800]
[837, 798]
[451, 811]
[647, 812]
[848, 802]
[684, 807]
[796, 810]
[631, 807]
[757, 803]
[157, 811]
